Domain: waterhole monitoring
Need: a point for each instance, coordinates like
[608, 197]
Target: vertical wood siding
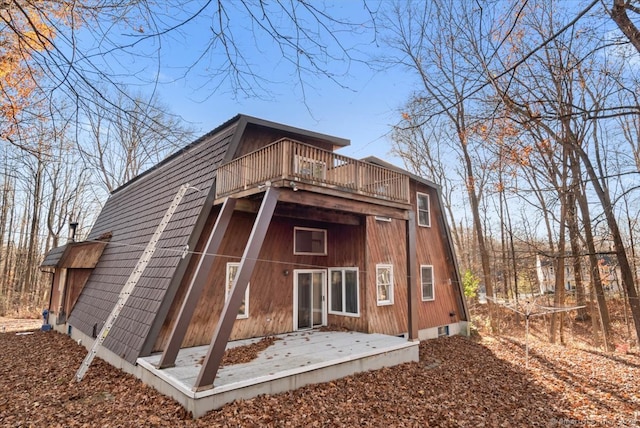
[432, 250]
[56, 292]
[364, 246]
[271, 285]
[76, 279]
[386, 244]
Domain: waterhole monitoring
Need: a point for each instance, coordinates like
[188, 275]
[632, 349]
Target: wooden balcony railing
[291, 160]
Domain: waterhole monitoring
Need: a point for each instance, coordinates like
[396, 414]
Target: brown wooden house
[276, 233]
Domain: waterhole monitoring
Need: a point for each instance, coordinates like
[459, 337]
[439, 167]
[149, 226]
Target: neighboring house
[546, 270]
[607, 267]
[610, 272]
[310, 238]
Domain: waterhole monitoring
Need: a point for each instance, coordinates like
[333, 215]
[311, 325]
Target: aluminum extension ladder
[133, 279]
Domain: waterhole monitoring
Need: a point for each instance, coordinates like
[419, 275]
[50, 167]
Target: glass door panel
[304, 301]
[310, 302]
[317, 300]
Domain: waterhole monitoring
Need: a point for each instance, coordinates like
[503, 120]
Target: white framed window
[232, 271]
[384, 284]
[311, 167]
[344, 294]
[309, 241]
[424, 210]
[426, 279]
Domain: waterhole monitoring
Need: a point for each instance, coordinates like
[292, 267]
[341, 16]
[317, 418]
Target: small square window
[384, 284]
[443, 331]
[424, 210]
[426, 279]
[232, 271]
[310, 241]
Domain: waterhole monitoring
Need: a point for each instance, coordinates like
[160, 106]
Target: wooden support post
[197, 285]
[412, 278]
[221, 335]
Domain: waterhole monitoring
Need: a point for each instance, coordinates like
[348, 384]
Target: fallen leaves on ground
[458, 382]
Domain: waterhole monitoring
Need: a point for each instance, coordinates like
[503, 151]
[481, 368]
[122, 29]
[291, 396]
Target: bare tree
[420, 150]
[121, 143]
[72, 50]
[558, 92]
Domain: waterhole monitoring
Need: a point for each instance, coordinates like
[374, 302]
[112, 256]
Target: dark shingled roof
[132, 214]
[53, 256]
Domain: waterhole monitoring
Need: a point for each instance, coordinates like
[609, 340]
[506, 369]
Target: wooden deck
[296, 360]
[292, 163]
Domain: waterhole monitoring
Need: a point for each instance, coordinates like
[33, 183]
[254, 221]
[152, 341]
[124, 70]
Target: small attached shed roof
[76, 255]
[132, 214]
[53, 257]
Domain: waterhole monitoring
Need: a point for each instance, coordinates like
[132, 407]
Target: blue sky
[362, 112]
[362, 115]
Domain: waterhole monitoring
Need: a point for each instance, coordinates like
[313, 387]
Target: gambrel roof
[131, 215]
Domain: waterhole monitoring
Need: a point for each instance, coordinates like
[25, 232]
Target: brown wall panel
[56, 291]
[82, 254]
[76, 279]
[257, 137]
[364, 246]
[432, 250]
[271, 286]
[386, 244]
[163, 336]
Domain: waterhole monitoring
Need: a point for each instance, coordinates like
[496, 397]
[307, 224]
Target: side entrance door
[309, 298]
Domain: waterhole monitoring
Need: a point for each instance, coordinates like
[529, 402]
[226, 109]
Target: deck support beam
[413, 278]
[212, 360]
[197, 285]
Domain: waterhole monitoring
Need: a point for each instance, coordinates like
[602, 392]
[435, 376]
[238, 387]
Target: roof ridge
[179, 152]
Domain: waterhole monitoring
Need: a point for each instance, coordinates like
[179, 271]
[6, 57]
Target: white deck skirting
[298, 359]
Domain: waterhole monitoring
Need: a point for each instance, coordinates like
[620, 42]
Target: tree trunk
[596, 281]
[477, 222]
[30, 273]
[574, 237]
[558, 297]
[620, 17]
[621, 254]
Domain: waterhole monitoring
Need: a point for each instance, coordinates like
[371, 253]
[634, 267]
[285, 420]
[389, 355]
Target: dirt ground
[459, 382]
[13, 325]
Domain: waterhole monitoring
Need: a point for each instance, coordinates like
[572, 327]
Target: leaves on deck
[245, 353]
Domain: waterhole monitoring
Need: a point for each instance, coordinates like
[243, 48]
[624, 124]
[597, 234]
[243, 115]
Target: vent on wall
[443, 331]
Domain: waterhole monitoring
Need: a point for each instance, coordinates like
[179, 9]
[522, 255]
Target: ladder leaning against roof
[133, 279]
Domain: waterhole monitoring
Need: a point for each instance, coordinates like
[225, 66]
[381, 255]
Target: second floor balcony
[288, 162]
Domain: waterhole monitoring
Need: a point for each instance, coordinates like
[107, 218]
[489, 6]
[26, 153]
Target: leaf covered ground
[458, 382]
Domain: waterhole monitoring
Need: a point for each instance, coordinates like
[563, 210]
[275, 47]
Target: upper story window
[384, 284]
[311, 167]
[426, 279]
[309, 241]
[424, 210]
[232, 271]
